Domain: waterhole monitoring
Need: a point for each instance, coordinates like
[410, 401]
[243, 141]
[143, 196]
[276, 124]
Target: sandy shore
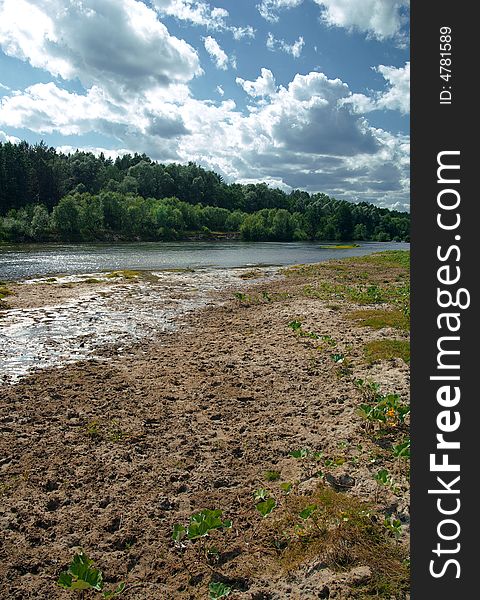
[109, 456]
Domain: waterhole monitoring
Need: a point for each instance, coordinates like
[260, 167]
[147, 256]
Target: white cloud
[264, 85]
[118, 44]
[202, 13]
[216, 53]
[4, 137]
[242, 32]
[269, 8]
[196, 12]
[379, 18]
[300, 136]
[294, 49]
[297, 136]
[306, 134]
[395, 97]
[220, 90]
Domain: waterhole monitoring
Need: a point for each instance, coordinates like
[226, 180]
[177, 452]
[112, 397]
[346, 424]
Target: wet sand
[110, 455]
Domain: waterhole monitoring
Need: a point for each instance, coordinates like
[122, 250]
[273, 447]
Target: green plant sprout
[308, 511]
[201, 524]
[271, 475]
[389, 411]
[240, 296]
[218, 590]
[295, 325]
[383, 477]
[266, 507]
[261, 494]
[370, 390]
[402, 450]
[302, 453]
[81, 575]
[394, 526]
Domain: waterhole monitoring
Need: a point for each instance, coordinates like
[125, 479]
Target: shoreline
[110, 456]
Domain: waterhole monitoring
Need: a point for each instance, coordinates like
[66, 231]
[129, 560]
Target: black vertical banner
[445, 325]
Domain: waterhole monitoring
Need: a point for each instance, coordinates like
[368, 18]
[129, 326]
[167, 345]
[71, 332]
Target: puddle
[110, 316]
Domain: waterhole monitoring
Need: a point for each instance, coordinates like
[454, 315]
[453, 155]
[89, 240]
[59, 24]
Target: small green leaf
[286, 487]
[302, 453]
[65, 580]
[265, 508]
[218, 590]
[178, 532]
[271, 475]
[261, 494]
[81, 575]
[308, 511]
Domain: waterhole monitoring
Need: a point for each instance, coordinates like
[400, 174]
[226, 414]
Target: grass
[389, 258]
[341, 533]
[386, 350]
[380, 318]
[91, 280]
[250, 275]
[339, 246]
[381, 278]
[125, 274]
[4, 291]
[271, 475]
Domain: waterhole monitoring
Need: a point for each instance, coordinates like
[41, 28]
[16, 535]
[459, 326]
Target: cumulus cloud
[395, 97]
[294, 49]
[216, 53]
[4, 137]
[151, 124]
[119, 44]
[307, 133]
[377, 18]
[264, 85]
[301, 135]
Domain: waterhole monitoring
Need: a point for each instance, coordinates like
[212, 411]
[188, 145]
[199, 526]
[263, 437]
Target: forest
[46, 195]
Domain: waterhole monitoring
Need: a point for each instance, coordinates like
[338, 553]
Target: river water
[24, 261]
[115, 313]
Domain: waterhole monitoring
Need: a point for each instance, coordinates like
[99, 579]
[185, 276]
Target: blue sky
[310, 94]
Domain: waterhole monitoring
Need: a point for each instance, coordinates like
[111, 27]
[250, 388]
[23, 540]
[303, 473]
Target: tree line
[46, 195]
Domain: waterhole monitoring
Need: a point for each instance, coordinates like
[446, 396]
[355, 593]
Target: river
[83, 321]
[35, 260]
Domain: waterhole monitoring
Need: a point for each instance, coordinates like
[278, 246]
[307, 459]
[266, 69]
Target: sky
[301, 94]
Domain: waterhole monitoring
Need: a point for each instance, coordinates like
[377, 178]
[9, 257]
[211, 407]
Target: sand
[110, 455]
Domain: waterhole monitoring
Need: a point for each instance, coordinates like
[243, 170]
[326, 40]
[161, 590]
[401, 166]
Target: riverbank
[261, 392]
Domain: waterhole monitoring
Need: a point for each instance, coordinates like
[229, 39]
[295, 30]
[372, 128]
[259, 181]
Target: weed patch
[379, 319]
[342, 533]
[125, 274]
[388, 349]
